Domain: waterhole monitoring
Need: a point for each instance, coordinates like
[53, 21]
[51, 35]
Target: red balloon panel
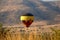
[28, 22]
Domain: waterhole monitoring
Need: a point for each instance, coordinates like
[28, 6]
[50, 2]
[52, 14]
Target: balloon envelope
[27, 19]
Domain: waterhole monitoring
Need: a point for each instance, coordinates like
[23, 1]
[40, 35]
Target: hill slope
[11, 10]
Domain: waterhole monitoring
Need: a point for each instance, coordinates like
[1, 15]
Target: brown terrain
[47, 19]
[11, 10]
[47, 14]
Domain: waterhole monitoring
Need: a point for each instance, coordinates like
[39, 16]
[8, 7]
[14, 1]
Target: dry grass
[43, 36]
[22, 34]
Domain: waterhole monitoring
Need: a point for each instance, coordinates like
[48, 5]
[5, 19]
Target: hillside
[11, 10]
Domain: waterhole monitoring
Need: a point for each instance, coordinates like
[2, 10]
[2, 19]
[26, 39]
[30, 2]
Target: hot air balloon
[27, 19]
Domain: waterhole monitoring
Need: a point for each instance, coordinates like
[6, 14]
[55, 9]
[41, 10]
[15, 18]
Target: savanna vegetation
[7, 34]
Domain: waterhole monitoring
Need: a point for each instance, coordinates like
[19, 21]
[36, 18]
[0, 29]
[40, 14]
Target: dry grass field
[47, 13]
[37, 32]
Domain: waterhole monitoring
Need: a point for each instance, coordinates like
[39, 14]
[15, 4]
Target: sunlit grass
[7, 35]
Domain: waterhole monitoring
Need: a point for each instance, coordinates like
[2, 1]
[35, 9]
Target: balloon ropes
[27, 19]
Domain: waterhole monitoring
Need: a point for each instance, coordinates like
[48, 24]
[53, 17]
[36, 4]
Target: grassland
[48, 32]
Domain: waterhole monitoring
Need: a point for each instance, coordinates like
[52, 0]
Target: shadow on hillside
[3, 16]
[40, 13]
[49, 6]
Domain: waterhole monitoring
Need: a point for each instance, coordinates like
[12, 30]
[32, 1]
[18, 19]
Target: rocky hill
[11, 10]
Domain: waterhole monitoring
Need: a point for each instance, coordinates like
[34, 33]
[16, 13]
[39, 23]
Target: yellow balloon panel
[27, 18]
